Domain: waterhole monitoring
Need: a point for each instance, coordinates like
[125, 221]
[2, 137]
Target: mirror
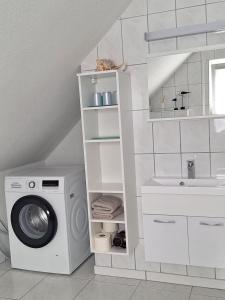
[187, 84]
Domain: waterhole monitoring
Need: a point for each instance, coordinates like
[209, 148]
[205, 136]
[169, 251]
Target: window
[217, 86]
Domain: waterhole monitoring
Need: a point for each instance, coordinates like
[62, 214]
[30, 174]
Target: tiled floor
[84, 285]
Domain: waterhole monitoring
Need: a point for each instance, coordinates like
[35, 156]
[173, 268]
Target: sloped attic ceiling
[42, 44]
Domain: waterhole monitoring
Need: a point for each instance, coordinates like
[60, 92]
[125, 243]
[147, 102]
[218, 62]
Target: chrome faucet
[191, 169]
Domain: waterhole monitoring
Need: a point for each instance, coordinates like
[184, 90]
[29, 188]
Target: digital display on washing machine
[50, 183]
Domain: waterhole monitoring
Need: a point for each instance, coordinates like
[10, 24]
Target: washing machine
[47, 218]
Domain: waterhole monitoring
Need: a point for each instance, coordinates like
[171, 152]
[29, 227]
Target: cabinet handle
[164, 222]
[208, 224]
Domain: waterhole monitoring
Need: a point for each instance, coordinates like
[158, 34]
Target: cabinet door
[207, 241]
[166, 239]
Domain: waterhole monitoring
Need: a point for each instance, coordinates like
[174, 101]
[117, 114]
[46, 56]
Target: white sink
[178, 196]
[185, 186]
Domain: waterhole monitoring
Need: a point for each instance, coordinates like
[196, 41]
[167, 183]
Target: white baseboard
[134, 274]
[186, 280]
[161, 277]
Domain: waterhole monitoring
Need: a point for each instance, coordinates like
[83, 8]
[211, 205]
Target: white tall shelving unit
[109, 151]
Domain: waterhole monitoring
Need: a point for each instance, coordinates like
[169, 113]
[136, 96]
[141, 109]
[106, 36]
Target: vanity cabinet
[166, 239]
[207, 241]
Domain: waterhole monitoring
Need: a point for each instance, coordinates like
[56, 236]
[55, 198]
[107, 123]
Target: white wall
[70, 150]
[42, 44]
[158, 149]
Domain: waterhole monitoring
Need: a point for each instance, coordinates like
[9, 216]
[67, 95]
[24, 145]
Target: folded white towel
[107, 215]
[106, 203]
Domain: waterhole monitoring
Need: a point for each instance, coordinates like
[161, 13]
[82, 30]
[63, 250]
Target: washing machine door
[33, 221]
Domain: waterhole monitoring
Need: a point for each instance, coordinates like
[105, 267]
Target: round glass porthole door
[33, 221]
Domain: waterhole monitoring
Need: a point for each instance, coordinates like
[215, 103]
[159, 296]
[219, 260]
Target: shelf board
[106, 187]
[113, 250]
[119, 219]
[99, 73]
[100, 107]
[106, 140]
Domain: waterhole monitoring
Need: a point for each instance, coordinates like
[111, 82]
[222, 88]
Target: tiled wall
[162, 148]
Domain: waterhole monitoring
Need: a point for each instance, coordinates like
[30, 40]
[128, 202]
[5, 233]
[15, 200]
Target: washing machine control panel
[32, 184]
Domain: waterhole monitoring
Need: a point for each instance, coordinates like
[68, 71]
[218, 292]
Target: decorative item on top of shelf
[183, 94]
[107, 65]
[175, 103]
[107, 207]
[119, 239]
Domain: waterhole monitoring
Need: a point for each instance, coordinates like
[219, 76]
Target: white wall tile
[214, 39]
[139, 86]
[187, 3]
[123, 262]
[194, 136]
[201, 272]
[166, 137]
[192, 41]
[217, 164]
[110, 46]
[162, 21]
[144, 169]
[160, 5]
[103, 260]
[163, 46]
[215, 11]
[135, 47]
[136, 8]
[143, 142]
[168, 165]
[202, 164]
[217, 135]
[194, 72]
[174, 269]
[141, 263]
[190, 16]
[89, 63]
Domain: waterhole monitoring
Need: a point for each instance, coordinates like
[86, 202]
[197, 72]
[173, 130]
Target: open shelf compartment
[119, 219]
[97, 228]
[99, 124]
[104, 170]
[97, 82]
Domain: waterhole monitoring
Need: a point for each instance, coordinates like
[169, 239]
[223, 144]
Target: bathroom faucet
[191, 169]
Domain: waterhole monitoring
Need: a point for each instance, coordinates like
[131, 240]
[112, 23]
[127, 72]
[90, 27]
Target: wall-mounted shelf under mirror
[187, 84]
[109, 159]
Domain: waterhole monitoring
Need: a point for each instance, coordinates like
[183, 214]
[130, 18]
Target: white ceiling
[42, 43]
